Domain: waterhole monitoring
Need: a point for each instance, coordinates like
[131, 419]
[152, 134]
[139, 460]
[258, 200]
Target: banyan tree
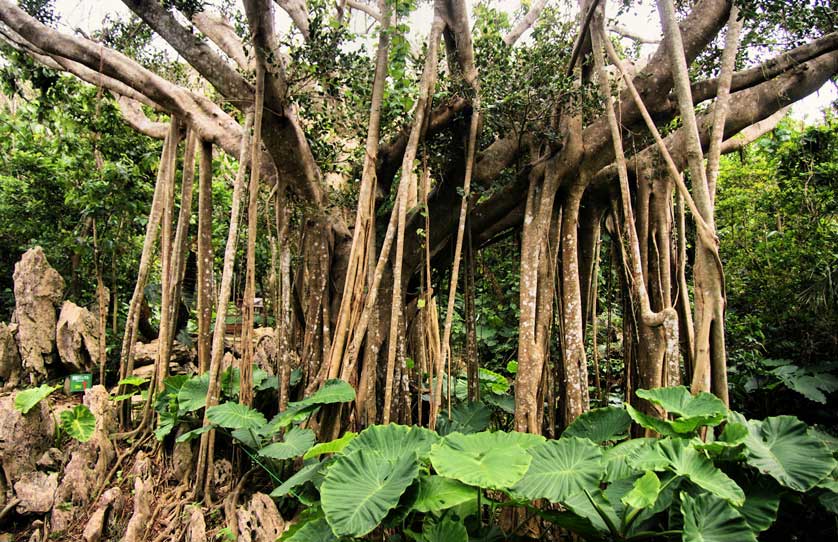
[379, 169]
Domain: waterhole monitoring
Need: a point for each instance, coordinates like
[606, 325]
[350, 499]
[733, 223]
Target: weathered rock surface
[95, 526]
[264, 352]
[90, 461]
[23, 438]
[38, 292]
[77, 338]
[10, 364]
[146, 353]
[143, 495]
[196, 530]
[36, 492]
[259, 521]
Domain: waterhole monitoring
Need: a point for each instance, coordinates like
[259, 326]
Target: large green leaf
[445, 530]
[27, 399]
[524, 440]
[561, 468]
[305, 474]
[437, 493]
[331, 447]
[394, 441]
[782, 448]
[616, 458]
[644, 492]
[686, 461]
[360, 488]
[310, 527]
[762, 499]
[333, 391]
[485, 459]
[295, 443]
[235, 416]
[692, 411]
[78, 422]
[710, 519]
[664, 427]
[192, 395]
[600, 425]
[470, 417]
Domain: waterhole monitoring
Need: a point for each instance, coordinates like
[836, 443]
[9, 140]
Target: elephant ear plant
[726, 487]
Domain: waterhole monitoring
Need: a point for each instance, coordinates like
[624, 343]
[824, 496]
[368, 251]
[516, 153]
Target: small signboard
[80, 382]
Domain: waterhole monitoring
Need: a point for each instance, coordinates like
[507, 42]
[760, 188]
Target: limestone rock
[146, 353]
[23, 438]
[143, 495]
[95, 526]
[265, 521]
[264, 352]
[10, 365]
[77, 338]
[36, 493]
[196, 530]
[222, 478]
[183, 457]
[38, 291]
[51, 459]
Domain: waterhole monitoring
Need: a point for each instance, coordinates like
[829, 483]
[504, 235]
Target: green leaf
[485, 459]
[732, 438]
[333, 391]
[331, 447]
[124, 396]
[600, 425]
[445, 530]
[685, 461]
[311, 529]
[166, 422]
[192, 395]
[232, 415]
[79, 423]
[782, 448]
[664, 427]
[231, 382]
[437, 493]
[136, 381]
[693, 411]
[644, 492]
[361, 487]
[561, 468]
[762, 499]
[616, 458]
[469, 417]
[300, 477]
[195, 433]
[710, 519]
[27, 399]
[296, 442]
[394, 441]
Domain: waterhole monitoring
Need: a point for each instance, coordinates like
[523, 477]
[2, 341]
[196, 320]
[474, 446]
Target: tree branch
[297, 10]
[219, 30]
[630, 34]
[220, 74]
[132, 112]
[366, 8]
[525, 23]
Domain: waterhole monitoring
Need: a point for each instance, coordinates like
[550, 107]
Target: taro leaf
[360, 488]
[644, 493]
[333, 391]
[782, 448]
[231, 382]
[829, 501]
[27, 399]
[394, 441]
[302, 476]
[195, 433]
[437, 493]
[710, 519]
[692, 411]
[311, 527]
[192, 395]
[232, 415]
[135, 381]
[466, 418]
[731, 440]
[486, 460]
[560, 469]
[445, 530]
[524, 440]
[295, 443]
[600, 425]
[615, 458]
[331, 447]
[505, 403]
[685, 461]
[79, 423]
[664, 427]
[166, 422]
[762, 499]
[259, 376]
[269, 383]
[592, 507]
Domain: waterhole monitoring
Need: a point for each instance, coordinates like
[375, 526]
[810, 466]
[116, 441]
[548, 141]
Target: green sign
[80, 382]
